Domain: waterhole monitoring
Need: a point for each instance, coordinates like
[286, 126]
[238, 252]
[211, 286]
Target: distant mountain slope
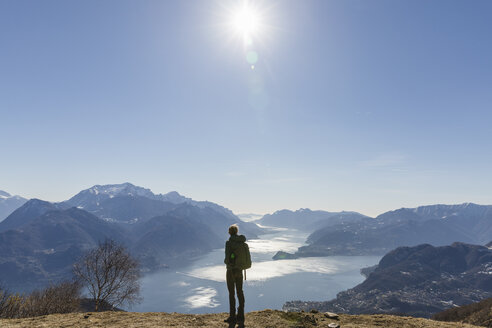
[307, 220]
[437, 225]
[173, 240]
[179, 235]
[45, 247]
[417, 281]
[26, 213]
[475, 219]
[9, 203]
[249, 217]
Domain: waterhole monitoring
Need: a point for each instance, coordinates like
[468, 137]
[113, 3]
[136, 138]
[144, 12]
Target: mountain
[179, 235]
[173, 240]
[307, 220]
[436, 224]
[91, 199]
[475, 219]
[249, 217]
[9, 203]
[26, 213]
[417, 281]
[45, 247]
[127, 203]
[41, 240]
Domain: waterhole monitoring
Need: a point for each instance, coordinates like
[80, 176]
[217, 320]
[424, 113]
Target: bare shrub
[4, 296]
[110, 275]
[475, 313]
[60, 298]
[11, 305]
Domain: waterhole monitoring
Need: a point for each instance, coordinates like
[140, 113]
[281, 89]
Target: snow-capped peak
[124, 189]
[4, 194]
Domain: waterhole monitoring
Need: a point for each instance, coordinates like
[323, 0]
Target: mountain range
[40, 241]
[435, 224]
[9, 203]
[307, 220]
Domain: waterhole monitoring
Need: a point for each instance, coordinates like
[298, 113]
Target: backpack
[240, 256]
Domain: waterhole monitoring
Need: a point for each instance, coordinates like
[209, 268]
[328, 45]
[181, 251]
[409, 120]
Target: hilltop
[266, 318]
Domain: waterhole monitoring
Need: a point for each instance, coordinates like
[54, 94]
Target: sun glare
[245, 21]
[249, 22]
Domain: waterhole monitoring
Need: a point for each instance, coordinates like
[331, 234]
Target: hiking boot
[240, 322]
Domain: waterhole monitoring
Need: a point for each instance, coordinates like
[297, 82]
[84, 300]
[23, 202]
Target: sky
[363, 105]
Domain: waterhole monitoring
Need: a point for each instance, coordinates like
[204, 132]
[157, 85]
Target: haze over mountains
[307, 220]
[9, 203]
[40, 240]
[435, 224]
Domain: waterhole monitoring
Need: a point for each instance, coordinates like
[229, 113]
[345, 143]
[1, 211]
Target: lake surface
[200, 287]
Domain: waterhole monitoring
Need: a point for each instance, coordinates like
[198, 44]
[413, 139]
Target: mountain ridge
[435, 224]
[9, 203]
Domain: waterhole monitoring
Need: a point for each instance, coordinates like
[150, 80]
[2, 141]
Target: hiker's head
[233, 229]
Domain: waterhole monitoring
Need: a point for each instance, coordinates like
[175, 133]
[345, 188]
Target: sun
[245, 21]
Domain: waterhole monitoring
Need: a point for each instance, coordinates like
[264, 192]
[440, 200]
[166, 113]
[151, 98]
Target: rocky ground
[263, 319]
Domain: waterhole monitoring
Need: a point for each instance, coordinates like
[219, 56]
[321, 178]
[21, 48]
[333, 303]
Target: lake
[200, 287]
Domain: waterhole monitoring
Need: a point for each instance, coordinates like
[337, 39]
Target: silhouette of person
[234, 277]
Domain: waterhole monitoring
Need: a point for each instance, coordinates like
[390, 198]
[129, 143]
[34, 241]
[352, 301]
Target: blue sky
[352, 104]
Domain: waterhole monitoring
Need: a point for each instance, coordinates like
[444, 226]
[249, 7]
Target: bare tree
[110, 274]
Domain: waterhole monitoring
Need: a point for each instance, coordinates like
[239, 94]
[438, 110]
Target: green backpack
[240, 256]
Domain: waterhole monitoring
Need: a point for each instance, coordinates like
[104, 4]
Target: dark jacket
[229, 245]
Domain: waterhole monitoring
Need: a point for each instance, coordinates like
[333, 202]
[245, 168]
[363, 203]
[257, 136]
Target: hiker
[237, 258]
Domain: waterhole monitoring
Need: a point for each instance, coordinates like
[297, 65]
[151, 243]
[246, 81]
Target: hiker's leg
[232, 298]
[240, 295]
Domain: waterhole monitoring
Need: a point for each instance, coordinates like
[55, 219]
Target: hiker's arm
[227, 252]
